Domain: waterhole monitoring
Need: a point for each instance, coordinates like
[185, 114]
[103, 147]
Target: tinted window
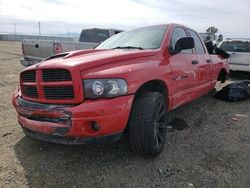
[235, 46]
[94, 35]
[197, 42]
[178, 33]
[146, 38]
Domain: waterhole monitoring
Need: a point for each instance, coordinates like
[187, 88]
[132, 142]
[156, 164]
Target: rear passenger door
[184, 70]
[204, 64]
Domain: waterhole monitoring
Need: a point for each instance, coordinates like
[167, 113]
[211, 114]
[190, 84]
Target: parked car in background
[239, 50]
[127, 84]
[35, 51]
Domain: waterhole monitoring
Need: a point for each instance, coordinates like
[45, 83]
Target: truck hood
[85, 59]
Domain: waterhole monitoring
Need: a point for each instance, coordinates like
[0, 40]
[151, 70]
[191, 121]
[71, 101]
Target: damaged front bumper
[90, 121]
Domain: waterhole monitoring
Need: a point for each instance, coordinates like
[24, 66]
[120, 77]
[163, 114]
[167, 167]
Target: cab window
[197, 42]
[178, 32]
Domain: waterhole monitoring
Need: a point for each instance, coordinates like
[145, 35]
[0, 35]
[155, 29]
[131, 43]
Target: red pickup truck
[126, 84]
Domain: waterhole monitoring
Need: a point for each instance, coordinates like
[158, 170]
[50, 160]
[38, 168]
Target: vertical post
[39, 27]
[15, 30]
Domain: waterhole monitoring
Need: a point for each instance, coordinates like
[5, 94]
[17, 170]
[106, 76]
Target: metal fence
[18, 37]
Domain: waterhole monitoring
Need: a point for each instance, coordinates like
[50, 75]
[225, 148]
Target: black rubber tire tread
[141, 124]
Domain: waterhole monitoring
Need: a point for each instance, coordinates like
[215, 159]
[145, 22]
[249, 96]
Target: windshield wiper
[128, 47]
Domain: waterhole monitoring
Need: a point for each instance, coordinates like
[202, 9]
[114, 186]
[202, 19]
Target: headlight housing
[98, 88]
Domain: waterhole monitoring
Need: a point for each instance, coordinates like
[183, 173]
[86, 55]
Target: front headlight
[97, 88]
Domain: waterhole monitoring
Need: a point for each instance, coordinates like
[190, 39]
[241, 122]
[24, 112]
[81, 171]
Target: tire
[148, 124]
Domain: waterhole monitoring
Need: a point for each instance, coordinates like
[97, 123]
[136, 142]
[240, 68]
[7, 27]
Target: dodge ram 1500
[126, 84]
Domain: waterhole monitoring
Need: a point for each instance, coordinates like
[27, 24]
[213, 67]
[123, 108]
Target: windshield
[235, 46]
[142, 38]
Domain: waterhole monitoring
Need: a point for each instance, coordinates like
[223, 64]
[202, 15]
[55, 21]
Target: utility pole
[14, 28]
[39, 28]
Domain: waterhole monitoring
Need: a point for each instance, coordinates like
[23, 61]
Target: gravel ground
[213, 152]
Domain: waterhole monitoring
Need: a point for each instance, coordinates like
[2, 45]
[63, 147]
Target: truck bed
[40, 49]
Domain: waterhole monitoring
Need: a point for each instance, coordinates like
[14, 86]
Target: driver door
[184, 70]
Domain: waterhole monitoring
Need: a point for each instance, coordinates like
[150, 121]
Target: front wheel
[148, 124]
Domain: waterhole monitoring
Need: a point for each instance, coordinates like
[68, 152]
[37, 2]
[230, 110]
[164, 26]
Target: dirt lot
[213, 152]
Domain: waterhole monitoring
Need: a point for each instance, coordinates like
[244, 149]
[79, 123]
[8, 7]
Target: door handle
[194, 62]
[209, 60]
[36, 45]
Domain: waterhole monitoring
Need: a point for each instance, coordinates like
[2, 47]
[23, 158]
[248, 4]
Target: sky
[231, 17]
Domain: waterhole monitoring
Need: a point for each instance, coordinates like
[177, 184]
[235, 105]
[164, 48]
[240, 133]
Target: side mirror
[184, 43]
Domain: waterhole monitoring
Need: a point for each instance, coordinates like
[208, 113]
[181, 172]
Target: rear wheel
[148, 124]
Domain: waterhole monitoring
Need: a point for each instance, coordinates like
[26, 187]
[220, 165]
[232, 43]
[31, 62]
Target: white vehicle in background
[239, 50]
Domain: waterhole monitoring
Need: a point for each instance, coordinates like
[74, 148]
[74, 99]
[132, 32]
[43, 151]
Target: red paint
[184, 82]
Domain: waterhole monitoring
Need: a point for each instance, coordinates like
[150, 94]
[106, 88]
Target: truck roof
[96, 28]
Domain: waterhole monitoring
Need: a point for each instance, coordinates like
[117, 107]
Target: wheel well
[153, 86]
[222, 76]
[150, 86]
